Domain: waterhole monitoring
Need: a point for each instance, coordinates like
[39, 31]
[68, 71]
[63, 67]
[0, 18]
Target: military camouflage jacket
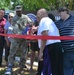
[19, 24]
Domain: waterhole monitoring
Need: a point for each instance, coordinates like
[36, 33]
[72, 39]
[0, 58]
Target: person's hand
[8, 44]
[40, 56]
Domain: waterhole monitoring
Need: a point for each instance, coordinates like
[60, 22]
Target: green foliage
[33, 5]
[4, 4]
[2, 72]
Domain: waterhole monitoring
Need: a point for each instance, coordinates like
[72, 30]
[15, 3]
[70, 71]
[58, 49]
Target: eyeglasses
[10, 16]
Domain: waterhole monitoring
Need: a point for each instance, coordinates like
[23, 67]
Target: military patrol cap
[18, 8]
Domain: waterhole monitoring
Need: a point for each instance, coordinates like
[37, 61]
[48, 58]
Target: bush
[2, 71]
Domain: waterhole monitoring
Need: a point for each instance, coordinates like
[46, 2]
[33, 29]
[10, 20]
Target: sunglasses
[10, 16]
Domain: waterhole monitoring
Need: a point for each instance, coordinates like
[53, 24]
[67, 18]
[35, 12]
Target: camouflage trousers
[22, 45]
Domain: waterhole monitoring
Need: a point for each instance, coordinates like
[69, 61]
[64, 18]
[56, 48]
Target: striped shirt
[66, 28]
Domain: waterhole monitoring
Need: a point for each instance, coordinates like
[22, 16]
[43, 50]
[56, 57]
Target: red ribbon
[32, 37]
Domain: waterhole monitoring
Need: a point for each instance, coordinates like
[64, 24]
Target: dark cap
[62, 9]
[18, 8]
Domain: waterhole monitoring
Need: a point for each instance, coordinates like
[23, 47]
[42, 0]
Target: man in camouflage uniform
[19, 23]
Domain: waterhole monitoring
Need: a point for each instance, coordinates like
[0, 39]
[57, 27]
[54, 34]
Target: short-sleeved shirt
[66, 28]
[8, 27]
[2, 24]
[47, 24]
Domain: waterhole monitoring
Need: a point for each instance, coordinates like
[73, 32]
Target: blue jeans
[68, 63]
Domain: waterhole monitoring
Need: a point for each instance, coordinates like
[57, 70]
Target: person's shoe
[8, 71]
[31, 69]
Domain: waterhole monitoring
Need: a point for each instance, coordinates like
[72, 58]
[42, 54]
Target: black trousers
[40, 67]
[56, 59]
[2, 42]
[7, 49]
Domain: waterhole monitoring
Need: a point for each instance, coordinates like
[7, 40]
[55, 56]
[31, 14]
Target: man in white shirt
[50, 50]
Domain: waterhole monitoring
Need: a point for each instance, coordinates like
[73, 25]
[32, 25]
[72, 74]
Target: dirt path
[26, 70]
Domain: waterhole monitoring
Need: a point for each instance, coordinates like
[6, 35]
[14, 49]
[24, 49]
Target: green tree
[33, 5]
[4, 4]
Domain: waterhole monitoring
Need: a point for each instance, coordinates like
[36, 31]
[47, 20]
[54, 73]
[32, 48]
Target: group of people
[56, 57]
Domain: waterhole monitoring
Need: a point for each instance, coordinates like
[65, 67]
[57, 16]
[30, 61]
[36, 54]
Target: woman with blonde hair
[7, 30]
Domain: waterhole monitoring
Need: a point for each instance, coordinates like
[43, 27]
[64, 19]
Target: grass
[2, 71]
